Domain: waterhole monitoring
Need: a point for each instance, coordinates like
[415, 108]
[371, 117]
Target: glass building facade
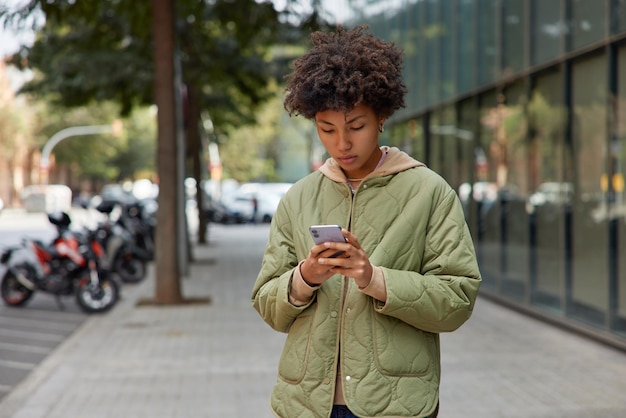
[521, 106]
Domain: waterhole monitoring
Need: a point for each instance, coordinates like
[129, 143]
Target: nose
[343, 140]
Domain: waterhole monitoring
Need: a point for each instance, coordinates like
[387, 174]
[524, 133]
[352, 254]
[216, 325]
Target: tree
[94, 51]
[167, 289]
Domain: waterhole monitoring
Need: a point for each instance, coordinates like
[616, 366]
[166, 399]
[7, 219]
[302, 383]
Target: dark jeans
[341, 411]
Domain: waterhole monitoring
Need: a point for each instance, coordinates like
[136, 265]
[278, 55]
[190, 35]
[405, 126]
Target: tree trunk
[167, 288]
[196, 155]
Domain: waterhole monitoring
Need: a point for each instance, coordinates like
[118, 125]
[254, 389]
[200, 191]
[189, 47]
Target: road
[29, 334]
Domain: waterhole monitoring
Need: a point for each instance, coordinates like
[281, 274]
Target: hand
[319, 266]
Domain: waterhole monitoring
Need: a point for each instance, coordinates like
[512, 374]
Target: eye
[328, 131]
[357, 128]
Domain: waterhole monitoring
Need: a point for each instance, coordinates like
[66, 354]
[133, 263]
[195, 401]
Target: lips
[347, 159]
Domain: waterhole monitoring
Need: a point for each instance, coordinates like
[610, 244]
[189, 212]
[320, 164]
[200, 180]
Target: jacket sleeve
[270, 295]
[440, 296]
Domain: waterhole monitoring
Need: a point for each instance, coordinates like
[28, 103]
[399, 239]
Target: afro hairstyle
[345, 68]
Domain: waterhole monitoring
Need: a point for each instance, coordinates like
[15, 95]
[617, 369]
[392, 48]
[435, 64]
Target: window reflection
[589, 234]
[444, 148]
[618, 157]
[587, 24]
[487, 41]
[528, 123]
[547, 29]
[466, 46]
[515, 35]
[409, 137]
[618, 16]
[467, 120]
[513, 191]
[547, 214]
[488, 164]
[446, 61]
[500, 191]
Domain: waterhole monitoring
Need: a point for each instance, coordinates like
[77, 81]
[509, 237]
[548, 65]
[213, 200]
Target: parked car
[47, 198]
[239, 204]
[212, 207]
[552, 193]
[216, 211]
[239, 208]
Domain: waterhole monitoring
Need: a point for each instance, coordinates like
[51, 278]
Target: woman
[363, 328]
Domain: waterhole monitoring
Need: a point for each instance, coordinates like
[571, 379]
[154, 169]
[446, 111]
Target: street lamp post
[44, 162]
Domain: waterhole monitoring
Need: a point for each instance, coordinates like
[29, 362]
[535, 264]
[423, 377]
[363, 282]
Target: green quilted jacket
[411, 224]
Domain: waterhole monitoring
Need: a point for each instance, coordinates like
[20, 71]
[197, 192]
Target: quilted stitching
[425, 295]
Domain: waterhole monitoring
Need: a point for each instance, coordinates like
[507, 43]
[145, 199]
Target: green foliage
[136, 154]
[100, 157]
[250, 152]
[12, 130]
[93, 51]
[89, 52]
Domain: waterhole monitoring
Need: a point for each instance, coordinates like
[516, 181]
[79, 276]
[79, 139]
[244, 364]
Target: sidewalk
[202, 360]
[220, 360]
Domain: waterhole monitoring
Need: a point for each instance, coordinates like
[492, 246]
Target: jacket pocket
[294, 357]
[400, 349]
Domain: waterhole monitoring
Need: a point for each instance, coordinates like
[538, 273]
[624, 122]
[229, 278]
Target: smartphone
[327, 233]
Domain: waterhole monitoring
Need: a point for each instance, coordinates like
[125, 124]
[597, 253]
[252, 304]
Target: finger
[343, 263]
[351, 238]
[319, 250]
[338, 246]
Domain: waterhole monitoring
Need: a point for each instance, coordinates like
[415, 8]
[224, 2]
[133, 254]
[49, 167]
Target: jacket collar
[395, 162]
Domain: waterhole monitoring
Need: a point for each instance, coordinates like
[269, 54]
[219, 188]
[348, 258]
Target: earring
[381, 128]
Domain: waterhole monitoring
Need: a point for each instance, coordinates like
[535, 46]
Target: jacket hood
[395, 162]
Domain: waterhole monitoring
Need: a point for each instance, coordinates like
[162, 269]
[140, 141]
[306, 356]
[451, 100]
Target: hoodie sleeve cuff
[300, 293]
[377, 287]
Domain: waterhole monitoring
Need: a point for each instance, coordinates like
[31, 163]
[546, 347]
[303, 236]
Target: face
[351, 139]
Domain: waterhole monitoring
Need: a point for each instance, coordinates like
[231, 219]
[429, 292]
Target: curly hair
[343, 69]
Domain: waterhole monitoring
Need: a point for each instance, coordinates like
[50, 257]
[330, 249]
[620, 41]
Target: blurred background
[519, 104]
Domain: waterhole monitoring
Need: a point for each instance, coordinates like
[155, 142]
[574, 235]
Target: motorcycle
[70, 265]
[139, 219]
[123, 256]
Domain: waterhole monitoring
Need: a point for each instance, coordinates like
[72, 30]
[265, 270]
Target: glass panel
[488, 162]
[547, 30]
[446, 72]
[618, 16]
[409, 137]
[444, 146]
[395, 31]
[418, 142]
[513, 190]
[487, 41]
[466, 46]
[619, 156]
[589, 229]
[588, 22]
[431, 34]
[468, 116]
[514, 45]
[549, 199]
[414, 58]
[435, 149]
